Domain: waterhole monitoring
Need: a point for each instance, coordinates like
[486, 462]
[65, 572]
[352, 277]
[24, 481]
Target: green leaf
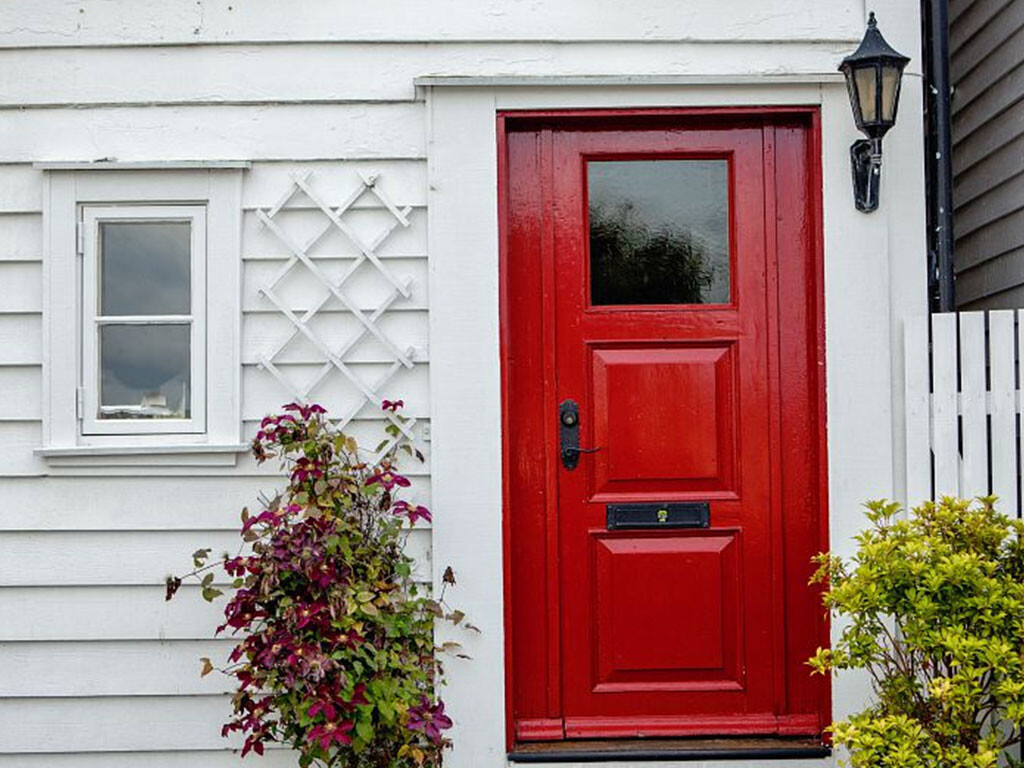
[365, 730]
[199, 557]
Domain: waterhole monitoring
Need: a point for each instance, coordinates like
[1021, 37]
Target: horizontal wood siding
[63, 23]
[987, 67]
[212, 758]
[96, 670]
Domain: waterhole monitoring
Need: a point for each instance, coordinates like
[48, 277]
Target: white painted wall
[95, 669]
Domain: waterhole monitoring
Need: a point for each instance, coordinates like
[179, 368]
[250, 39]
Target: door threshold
[598, 751]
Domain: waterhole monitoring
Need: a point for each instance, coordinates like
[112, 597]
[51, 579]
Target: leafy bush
[933, 609]
[337, 656]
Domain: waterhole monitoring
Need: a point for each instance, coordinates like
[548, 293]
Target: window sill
[199, 455]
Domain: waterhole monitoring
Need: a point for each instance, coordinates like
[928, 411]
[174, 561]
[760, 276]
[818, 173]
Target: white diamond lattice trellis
[368, 322]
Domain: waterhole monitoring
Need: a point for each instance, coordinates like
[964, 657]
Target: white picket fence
[963, 406]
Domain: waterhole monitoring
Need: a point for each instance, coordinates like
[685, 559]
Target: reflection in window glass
[659, 232]
[145, 268]
[145, 371]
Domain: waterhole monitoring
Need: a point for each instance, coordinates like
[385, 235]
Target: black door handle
[569, 434]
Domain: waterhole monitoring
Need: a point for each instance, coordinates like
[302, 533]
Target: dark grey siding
[987, 69]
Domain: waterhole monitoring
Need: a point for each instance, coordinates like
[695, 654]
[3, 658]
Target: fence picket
[944, 406]
[918, 459]
[1015, 509]
[974, 429]
[1003, 407]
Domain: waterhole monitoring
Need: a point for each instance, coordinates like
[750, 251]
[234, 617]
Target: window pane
[659, 231]
[145, 372]
[145, 268]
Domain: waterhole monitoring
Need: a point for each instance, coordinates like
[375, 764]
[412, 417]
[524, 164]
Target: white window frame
[93, 216]
[71, 192]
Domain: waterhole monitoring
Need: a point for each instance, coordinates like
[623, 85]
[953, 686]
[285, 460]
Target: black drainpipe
[939, 155]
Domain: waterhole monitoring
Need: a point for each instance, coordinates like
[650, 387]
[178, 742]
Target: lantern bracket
[866, 166]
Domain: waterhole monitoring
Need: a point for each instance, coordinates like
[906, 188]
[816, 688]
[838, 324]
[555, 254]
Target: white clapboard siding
[371, 72]
[214, 132]
[130, 503]
[21, 339]
[21, 233]
[22, 287]
[113, 724]
[21, 387]
[219, 758]
[93, 22]
[131, 558]
[114, 668]
[212, 758]
[963, 406]
[106, 613]
[30, 614]
[18, 440]
[21, 188]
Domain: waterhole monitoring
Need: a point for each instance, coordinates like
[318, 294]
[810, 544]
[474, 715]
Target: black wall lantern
[873, 73]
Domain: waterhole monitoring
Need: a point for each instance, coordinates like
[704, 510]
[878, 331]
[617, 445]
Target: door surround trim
[872, 280]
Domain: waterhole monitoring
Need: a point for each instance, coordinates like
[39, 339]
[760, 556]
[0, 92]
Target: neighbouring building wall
[986, 42]
[96, 670]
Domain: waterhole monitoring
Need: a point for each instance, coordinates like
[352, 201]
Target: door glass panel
[145, 371]
[145, 268]
[659, 231]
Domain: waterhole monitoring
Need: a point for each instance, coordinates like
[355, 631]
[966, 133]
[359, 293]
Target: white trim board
[862, 275]
[156, 165]
[550, 81]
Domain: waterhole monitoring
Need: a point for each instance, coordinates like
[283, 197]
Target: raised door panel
[664, 418]
[667, 612]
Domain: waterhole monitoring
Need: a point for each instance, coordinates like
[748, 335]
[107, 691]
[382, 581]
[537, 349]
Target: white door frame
[874, 276]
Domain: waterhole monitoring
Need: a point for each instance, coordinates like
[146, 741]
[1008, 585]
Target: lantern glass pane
[890, 92]
[866, 93]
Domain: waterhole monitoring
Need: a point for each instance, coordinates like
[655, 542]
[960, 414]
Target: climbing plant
[335, 654]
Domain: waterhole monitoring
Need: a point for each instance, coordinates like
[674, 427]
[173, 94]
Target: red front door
[651, 267]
